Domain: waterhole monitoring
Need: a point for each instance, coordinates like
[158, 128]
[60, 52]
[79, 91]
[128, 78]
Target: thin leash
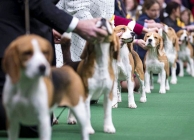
[27, 17]
[27, 26]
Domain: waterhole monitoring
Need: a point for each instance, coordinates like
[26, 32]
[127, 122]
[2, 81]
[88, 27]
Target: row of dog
[33, 87]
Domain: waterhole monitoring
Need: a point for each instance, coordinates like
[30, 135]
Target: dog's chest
[154, 65]
[184, 52]
[29, 105]
[124, 67]
[101, 79]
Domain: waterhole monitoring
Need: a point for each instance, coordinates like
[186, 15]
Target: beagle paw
[90, 130]
[167, 88]
[147, 90]
[132, 105]
[115, 105]
[72, 121]
[162, 91]
[181, 74]
[109, 129]
[119, 100]
[151, 87]
[143, 99]
[173, 81]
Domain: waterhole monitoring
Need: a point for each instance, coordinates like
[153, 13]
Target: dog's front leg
[181, 73]
[44, 127]
[87, 105]
[108, 124]
[173, 74]
[147, 82]
[191, 63]
[81, 114]
[13, 129]
[162, 83]
[115, 94]
[131, 100]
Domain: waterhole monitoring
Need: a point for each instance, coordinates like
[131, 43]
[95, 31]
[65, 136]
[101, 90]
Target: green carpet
[167, 116]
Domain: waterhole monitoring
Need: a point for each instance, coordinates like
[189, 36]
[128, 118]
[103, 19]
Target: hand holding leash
[87, 29]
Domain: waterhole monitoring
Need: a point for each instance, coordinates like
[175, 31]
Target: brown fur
[179, 33]
[161, 54]
[19, 51]
[88, 56]
[138, 65]
[69, 87]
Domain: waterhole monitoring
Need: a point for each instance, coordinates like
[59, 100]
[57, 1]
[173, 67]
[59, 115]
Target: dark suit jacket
[43, 15]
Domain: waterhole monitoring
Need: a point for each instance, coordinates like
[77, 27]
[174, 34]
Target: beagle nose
[185, 38]
[42, 68]
[133, 34]
[149, 40]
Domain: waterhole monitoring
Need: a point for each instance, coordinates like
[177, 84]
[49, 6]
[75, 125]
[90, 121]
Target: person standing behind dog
[44, 15]
[151, 12]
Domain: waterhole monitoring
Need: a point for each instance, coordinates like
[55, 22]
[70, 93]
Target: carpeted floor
[167, 116]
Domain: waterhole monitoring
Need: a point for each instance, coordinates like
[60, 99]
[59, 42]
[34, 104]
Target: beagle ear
[87, 50]
[161, 47]
[178, 33]
[115, 44]
[145, 38]
[50, 53]
[176, 43]
[11, 63]
[130, 46]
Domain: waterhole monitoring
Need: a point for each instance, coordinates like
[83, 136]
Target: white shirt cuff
[73, 24]
[145, 25]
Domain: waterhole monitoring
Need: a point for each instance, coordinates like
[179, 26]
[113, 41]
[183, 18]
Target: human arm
[138, 29]
[46, 12]
[141, 43]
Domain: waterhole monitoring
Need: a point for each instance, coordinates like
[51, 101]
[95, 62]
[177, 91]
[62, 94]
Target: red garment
[192, 7]
[123, 21]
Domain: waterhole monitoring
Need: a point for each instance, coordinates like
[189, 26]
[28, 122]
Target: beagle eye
[155, 37]
[46, 52]
[122, 29]
[28, 53]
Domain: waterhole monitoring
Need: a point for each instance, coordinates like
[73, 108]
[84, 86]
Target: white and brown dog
[156, 61]
[171, 47]
[186, 52]
[97, 73]
[33, 88]
[128, 65]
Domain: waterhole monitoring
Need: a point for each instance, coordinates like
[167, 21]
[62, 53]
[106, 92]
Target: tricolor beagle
[97, 73]
[32, 87]
[128, 64]
[186, 52]
[171, 47]
[156, 61]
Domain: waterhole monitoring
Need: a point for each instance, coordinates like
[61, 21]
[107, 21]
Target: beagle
[171, 47]
[33, 88]
[97, 72]
[128, 65]
[186, 52]
[156, 61]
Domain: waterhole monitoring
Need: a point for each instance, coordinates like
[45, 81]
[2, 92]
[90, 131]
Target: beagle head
[191, 38]
[154, 41]
[127, 34]
[172, 36]
[29, 56]
[111, 38]
[183, 36]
